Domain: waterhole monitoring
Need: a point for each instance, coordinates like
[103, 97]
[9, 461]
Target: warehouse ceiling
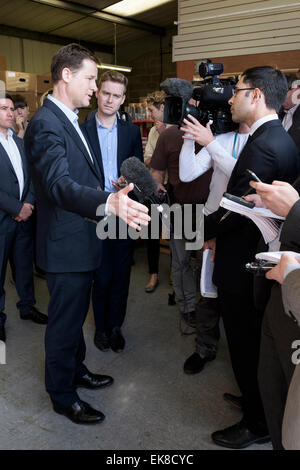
[83, 21]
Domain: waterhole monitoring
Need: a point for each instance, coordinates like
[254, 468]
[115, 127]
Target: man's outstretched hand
[132, 212]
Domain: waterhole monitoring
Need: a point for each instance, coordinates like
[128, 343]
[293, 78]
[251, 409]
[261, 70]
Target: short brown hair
[70, 56]
[113, 76]
[156, 98]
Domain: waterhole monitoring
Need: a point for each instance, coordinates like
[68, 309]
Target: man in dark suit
[16, 206]
[112, 140]
[271, 154]
[67, 183]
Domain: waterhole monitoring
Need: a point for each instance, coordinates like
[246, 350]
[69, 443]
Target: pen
[229, 212]
[256, 178]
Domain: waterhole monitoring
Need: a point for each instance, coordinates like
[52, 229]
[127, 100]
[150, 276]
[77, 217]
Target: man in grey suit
[16, 206]
[280, 327]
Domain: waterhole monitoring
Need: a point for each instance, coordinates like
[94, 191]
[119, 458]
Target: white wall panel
[222, 28]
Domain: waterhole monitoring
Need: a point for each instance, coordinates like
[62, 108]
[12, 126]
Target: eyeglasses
[236, 89]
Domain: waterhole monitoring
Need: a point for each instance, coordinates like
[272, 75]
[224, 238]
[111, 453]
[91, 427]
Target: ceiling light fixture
[133, 7]
[120, 68]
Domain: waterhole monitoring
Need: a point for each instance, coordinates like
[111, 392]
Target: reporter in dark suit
[67, 183]
[113, 141]
[16, 206]
[271, 154]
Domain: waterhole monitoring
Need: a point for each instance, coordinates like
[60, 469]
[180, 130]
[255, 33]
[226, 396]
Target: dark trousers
[207, 327]
[111, 284]
[276, 368]
[242, 325]
[17, 245]
[153, 249]
[64, 341]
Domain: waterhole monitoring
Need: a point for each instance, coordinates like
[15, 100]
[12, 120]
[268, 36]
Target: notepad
[274, 256]
[207, 287]
[267, 222]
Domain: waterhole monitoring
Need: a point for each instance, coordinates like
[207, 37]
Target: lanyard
[234, 145]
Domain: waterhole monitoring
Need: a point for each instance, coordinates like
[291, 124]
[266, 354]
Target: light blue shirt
[73, 118]
[108, 140]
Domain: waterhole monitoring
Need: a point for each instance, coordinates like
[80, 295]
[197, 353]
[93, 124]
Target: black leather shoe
[2, 329]
[101, 341]
[81, 413]
[233, 400]
[2, 333]
[195, 363]
[116, 340]
[36, 316]
[94, 381]
[238, 436]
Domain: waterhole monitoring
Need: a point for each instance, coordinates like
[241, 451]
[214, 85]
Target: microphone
[145, 186]
[178, 87]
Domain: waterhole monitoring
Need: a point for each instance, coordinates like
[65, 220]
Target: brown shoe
[152, 284]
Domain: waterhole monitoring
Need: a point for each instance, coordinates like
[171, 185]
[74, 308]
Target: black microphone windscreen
[177, 87]
[134, 171]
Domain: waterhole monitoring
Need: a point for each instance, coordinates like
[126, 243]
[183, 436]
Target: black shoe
[2, 329]
[101, 341]
[36, 316]
[81, 413]
[195, 363]
[116, 340]
[238, 436]
[2, 333]
[233, 400]
[90, 380]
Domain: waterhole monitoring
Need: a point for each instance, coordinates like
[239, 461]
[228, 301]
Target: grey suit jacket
[291, 295]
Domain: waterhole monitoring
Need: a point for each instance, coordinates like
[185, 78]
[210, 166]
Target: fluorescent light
[133, 7]
[120, 68]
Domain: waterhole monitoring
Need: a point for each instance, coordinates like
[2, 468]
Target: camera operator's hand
[202, 135]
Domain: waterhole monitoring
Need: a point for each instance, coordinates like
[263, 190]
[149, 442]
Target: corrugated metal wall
[24, 55]
[222, 28]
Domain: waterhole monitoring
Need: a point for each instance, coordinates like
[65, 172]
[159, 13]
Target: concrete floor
[152, 405]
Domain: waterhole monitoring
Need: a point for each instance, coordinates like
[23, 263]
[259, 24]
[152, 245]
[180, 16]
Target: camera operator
[220, 153]
[166, 159]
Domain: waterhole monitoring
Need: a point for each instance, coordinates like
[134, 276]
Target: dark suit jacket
[129, 142]
[68, 189]
[271, 154]
[10, 204]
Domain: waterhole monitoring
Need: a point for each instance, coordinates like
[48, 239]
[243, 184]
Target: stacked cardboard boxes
[28, 85]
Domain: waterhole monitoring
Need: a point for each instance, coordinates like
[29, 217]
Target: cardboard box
[18, 81]
[43, 83]
[2, 62]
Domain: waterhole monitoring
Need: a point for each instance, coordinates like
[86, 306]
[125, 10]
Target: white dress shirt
[12, 151]
[218, 154]
[261, 121]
